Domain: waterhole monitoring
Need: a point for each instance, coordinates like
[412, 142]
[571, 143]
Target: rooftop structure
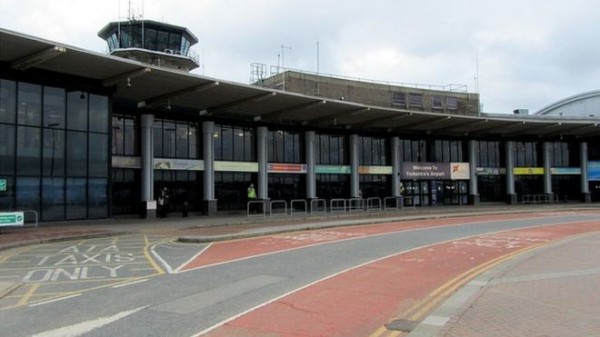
[152, 42]
[450, 99]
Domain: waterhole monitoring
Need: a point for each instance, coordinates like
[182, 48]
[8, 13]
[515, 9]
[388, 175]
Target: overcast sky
[515, 53]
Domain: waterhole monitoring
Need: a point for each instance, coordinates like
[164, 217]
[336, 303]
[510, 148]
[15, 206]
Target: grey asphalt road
[184, 304]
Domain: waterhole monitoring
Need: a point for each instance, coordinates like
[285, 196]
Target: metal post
[473, 162]
[147, 147]
[510, 176]
[585, 185]
[263, 179]
[354, 178]
[311, 177]
[395, 166]
[210, 204]
[547, 149]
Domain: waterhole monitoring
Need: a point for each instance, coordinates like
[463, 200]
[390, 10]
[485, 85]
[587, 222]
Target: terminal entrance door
[449, 192]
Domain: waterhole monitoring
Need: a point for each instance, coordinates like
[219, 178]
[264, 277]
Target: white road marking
[54, 300]
[85, 327]
[160, 259]
[130, 283]
[193, 257]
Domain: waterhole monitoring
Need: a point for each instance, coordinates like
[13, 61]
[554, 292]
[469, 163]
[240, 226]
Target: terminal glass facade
[47, 133]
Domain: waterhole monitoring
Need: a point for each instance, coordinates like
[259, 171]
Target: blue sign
[594, 171]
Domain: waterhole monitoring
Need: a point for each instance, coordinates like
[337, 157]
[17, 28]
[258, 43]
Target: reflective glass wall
[46, 133]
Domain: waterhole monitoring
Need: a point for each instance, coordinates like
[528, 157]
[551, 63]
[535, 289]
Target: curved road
[347, 281]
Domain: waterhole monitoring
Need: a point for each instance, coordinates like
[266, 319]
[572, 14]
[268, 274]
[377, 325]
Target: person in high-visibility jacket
[251, 197]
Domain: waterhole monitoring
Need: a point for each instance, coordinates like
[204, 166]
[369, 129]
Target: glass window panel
[98, 113]
[54, 107]
[158, 139]
[399, 99]
[98, 158]
[7, 149]
[77, 113]
[76, 201]
[163, 41]
[53, 199]
[28, 150]
[451, 103]
[174, 41]
[28, 193]
[249, 148]
[136, 37]
[169, 140]
[182, 141]
[53, 153]
[8, 101]
[29, 105]
[415, 100]
[227, 143]
[150, 39]
[76, 154]
[118, 136]
[436, 102]
[131, 137]
[98, 198]
[194, 142]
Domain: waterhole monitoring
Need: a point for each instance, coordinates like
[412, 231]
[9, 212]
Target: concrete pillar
[354, 177]
[547, 150]
[510, 175]
[263, 177]
[147, 148]
[473, 163]
[210, 203]
[585, 185]
[311, 177]
[395, 148]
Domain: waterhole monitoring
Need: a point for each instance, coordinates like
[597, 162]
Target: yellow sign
[528, 171]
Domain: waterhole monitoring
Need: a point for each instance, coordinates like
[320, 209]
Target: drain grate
[403, 325]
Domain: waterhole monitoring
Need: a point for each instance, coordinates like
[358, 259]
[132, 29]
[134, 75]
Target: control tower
[152, 42]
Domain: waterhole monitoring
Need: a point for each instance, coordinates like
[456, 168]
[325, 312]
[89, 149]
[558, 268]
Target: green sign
[3, 185]
[12, 219]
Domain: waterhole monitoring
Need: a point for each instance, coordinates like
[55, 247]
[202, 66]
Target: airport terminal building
[87, 136]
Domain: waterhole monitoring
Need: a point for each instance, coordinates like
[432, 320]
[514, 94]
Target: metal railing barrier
[278, 209]
[356, 204]
[374, 204]
[318, 206]
[298, 204]
[337, 205]
[392, 203]
[256, 208]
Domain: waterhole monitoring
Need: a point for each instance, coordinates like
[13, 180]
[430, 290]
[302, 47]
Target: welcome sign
[434, 171]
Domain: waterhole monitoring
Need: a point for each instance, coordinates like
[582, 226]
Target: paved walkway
[549, 292]
[552, 291]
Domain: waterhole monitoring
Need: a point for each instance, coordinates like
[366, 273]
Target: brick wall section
[370, 93]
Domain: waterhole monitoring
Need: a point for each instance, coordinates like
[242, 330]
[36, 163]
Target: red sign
[286, 168]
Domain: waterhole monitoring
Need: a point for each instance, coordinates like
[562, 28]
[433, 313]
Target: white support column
[473, 163]
[395, 148]
[311, 177]
[263, 178]
[510, 176]
[210, 204]
[147, 148]
[547, 149]
[354, 178]
[585, 185]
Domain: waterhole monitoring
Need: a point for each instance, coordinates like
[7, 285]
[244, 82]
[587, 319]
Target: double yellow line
[420, 309]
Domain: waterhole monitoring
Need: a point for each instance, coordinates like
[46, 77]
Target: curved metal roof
[569, 100]
[153, 86]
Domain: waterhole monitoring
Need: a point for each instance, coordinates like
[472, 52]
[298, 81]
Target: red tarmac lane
[404, 287]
